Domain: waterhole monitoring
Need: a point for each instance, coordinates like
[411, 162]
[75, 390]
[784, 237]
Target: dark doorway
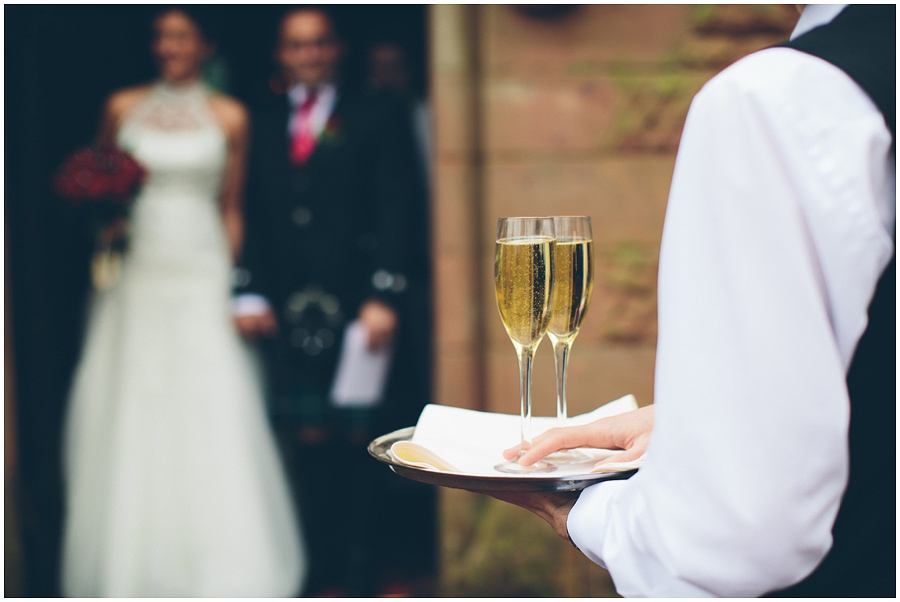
[61, 62]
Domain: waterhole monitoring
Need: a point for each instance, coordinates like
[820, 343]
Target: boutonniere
[332, 132]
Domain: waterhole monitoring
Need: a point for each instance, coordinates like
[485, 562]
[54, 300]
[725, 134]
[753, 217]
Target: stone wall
[540, 111]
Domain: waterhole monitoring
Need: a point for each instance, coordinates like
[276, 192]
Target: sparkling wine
[523, 277]
[574, 282]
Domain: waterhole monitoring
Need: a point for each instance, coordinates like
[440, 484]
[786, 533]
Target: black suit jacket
[321, 239]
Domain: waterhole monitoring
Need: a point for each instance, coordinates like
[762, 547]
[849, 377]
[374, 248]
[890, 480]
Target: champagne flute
[523, 281]
[574, 283]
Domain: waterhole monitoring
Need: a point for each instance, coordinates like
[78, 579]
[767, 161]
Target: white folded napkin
[469, 442]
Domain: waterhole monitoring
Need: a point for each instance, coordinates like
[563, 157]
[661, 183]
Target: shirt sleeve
[777, 230]
[249, 304]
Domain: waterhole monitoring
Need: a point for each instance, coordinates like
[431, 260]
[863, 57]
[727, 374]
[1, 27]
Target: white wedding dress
[174, 485]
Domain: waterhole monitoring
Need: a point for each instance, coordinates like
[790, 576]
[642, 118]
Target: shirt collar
[816, 15]
[298, 93]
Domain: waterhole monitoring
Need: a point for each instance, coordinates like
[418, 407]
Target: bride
[173, 483]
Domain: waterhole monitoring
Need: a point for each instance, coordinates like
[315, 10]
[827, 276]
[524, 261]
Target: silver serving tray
[380, 449]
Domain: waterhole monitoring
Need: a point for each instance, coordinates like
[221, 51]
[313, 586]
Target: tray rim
[379, 447]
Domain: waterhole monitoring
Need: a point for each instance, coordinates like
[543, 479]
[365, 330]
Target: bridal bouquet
[104, 179]
[103, 174]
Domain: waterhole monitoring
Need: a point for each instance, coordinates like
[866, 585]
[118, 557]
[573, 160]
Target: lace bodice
[175, 135]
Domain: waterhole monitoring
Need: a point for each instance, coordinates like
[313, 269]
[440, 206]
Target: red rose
[99, 174]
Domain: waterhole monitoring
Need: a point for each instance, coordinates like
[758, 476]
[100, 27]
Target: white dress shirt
[780, 222]
[321, 110]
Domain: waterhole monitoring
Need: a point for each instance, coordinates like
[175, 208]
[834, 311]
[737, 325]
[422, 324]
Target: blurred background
[532, 110]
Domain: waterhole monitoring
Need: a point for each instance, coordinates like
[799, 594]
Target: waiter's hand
[629, 431]
[255, 325]
[552, 506]
[380, 321]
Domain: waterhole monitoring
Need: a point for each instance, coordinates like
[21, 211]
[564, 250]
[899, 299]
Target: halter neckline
[186, 90]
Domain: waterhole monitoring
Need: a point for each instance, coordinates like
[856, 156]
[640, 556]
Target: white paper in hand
[361, 373]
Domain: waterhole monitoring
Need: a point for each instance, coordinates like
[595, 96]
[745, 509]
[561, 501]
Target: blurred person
[174, 486]
[332, 243]
[389, 70]
[771, 447]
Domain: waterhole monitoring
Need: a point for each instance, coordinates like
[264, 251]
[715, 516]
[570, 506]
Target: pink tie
[304, 142]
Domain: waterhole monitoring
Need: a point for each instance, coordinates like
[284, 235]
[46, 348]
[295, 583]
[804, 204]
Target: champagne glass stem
[526, 357]
[561, 354]
[561, 348]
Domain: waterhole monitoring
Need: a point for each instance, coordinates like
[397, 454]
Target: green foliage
[584, 68]
[513, 554]
[702, 14]
[671, 85]
[768, 10]
[630, 267]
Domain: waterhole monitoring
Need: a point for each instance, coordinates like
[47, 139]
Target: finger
[373, 341]
[267, 325]
[554, 440]
[378, 338]
[241, 326]
[625, 456]
[260, 327]
[512, 452]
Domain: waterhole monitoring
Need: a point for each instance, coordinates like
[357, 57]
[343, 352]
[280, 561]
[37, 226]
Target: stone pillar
[457, 202]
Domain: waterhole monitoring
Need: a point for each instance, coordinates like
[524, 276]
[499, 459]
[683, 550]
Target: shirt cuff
[586, 522]
[249, 305]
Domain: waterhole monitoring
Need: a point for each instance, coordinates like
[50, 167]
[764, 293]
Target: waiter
[335, 217]
[771, 466]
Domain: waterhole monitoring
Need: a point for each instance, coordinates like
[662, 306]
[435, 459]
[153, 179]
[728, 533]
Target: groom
[335, 217]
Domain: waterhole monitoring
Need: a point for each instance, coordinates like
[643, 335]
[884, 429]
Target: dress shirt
[780, 222]
[321, 110]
